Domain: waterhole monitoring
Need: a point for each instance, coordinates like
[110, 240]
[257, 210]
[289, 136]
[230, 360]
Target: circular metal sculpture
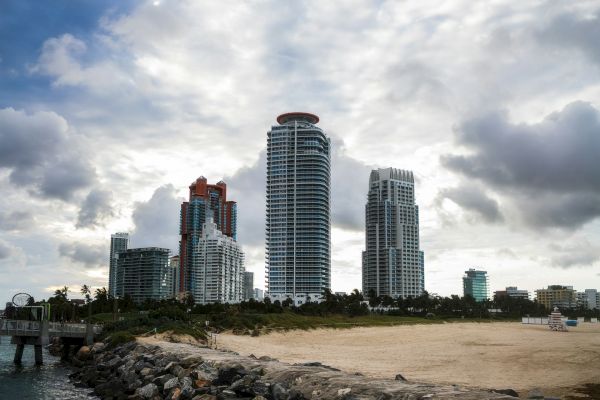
[21, 299]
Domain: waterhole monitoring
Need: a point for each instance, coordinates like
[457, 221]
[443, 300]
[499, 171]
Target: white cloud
[173, 90]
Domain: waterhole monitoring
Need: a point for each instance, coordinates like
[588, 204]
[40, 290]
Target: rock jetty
[172, 371]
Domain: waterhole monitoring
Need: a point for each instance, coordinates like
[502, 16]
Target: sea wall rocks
[173, 371]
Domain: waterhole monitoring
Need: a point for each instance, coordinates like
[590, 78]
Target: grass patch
[141, 325]
[251, 323]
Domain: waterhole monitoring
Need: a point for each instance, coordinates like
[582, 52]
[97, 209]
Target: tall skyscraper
[298, 259]
[175, 270]
[205, 201]
[217, 270]
[248, 285]
[475, 284]
[144, 274]
[118, 242]
[393, 263]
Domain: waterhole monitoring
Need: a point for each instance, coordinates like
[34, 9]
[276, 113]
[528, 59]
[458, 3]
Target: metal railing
[32, 328]
[10, 327]
[59, 327]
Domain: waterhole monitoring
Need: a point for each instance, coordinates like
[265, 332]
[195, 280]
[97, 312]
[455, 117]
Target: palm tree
[86, 292]
[62, 293]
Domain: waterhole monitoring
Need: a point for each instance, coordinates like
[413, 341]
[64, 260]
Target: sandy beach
[488, 355]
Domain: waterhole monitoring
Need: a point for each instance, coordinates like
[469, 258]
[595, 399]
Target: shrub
[120, 337]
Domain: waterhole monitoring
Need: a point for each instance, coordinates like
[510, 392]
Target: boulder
[279, 392]
[191, 361]
[114, 362]
[147, 392]
[178, 371]
[261, 388]
[206, 372]
[84, 353]
[174, 394]
[244, 385]
[170, 384]
[98, 347]
[509, 392]
[161, 380]
[399, 377]
[228, 393]
[205, 397]
[110, 389]
[139, 365]
[535, 394]
[199, 383]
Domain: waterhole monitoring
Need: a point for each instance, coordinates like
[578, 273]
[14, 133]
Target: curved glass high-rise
[298, 260]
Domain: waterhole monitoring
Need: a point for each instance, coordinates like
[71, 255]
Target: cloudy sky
[109, 110]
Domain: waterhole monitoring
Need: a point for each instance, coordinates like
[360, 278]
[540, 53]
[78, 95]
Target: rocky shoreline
[139, 371]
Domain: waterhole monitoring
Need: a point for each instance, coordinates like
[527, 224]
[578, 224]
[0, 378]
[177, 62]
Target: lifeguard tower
[555, 322]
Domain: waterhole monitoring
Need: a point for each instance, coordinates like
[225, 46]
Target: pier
[39, 333]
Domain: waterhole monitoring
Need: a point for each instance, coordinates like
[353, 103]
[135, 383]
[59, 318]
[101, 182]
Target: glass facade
[475, 283]
[118, 242]
[144, 274]
[298, 206]
[393, 264]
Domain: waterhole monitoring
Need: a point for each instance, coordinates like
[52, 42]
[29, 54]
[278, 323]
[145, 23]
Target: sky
[109, 110]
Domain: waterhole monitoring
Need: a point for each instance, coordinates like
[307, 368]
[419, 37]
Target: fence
[536, 320]
[32, 328]
[10, 327]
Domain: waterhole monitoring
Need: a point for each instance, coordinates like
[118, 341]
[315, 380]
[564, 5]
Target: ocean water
[30, 382]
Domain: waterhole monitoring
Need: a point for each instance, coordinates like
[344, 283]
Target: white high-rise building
[217, 268]
[118, 242]
[298, 255]
[589, 299]
[392, 261]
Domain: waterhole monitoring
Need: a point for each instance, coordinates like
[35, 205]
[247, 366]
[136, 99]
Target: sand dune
[490, 355]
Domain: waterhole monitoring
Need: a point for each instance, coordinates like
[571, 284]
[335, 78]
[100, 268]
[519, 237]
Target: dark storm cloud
[563, 210]
[91, 256]
[549, 170]
[15, 221]
[574, 260]
[583, 254]
[157, 220]
[573, 31]
[42, 155]
[475, 200]
[95, 208]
